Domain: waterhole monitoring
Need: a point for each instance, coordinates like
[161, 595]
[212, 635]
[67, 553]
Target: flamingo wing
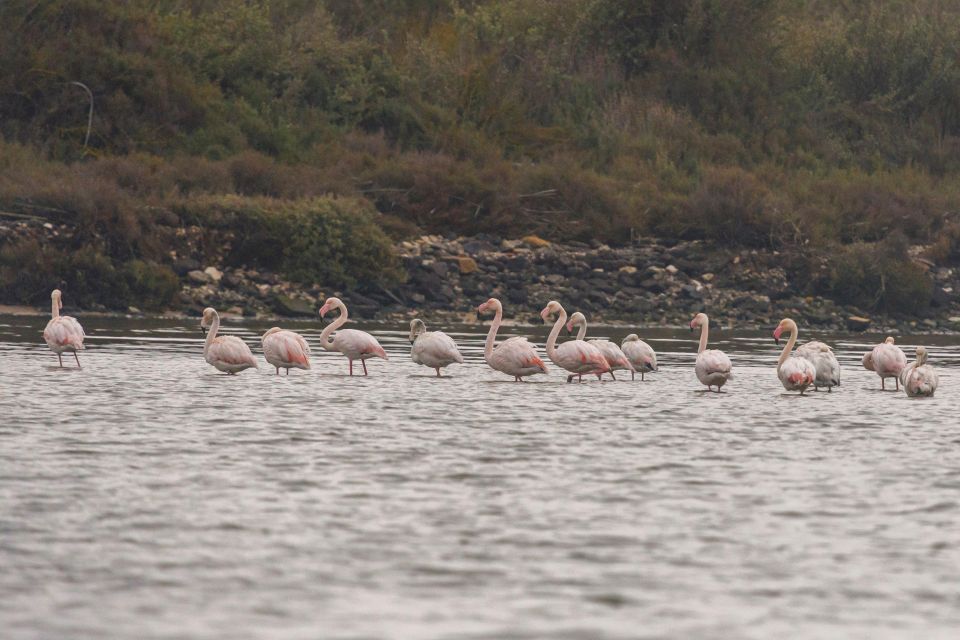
[435, 349]
[517, 357]
[356, 345]
[613, 354]
[286, 348]
[64, 333]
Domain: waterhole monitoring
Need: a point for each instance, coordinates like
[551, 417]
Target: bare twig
[86, 139]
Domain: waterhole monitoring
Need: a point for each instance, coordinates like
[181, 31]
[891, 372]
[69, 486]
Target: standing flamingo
[888, 360]
[796, 373]
[63, 333]
[286, 349]
[432, 348]
[611, 352]
[642, 356]
[355, 344]
[713, 367]
[514, 356]
[576, 356]
[828, 369]
[919, 378]
[225, 353]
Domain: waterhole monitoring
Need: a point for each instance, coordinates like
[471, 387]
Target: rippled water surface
[149, 496]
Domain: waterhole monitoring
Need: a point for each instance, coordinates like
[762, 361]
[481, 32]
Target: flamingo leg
[438, 371]
[364, 363]
[288, 370]
[569, 378]
[351, 367]
[633, 375]
[641, 377]
[77, 359]
[278, 370]
[883, 384]
[60, 358]
[829, 389]
[611, 374]
[897, 380]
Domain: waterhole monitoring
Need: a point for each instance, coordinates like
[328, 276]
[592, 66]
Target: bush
[332, 241]
[733, 207]
[878, 276]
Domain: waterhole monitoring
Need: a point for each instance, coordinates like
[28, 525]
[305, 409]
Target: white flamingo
[433, 349]
[796, 373]
[826, 364]
[614, 356]
[225, 353]
[713, 367]
[641, 355]
[514, 356]
[355, 344]
[576, 356]
[285, 349]
[919, 378]
[62, 333]
[887, 360]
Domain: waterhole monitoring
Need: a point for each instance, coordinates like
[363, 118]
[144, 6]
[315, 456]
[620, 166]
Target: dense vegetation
[832, 128]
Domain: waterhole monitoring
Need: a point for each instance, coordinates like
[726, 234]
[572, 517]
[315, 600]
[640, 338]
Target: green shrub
[332, 241]
[878, 276]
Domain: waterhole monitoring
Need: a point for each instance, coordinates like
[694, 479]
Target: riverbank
[648, 282]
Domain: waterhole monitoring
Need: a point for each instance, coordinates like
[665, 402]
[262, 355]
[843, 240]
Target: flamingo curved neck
[333, 326]
[704, 330]
[582, 332]
[492, 333]
[55, 309]
[787, 348]
[552, 338]
[212, 333]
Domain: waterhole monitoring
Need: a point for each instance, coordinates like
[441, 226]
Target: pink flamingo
[919, 378]
[713, 367]
[63, 333]
[828, 369]
[887, 360]
[796, 373]
[286, 349]
[433, 349]
[576, 356]
[355, 344]
[614, 356]
[642, 356]
[514, 356]
[225, 353]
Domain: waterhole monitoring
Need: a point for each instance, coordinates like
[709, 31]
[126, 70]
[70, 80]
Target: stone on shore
[858, 323]
[199, 277]
[535, 242]
[292, 307]
[466, 264]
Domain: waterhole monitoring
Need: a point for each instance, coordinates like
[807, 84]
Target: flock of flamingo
[810, 365]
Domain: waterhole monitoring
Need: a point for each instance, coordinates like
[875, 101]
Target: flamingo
[919, 378]
[514, 356]
[888, 360]
[641, 355]
[611, 352]
[285, 349]
[63, 333]
[576, 356]
[432, 348]
[225, 353]
[355, 344]
[796, 373]
[713, 367]
[828, 369]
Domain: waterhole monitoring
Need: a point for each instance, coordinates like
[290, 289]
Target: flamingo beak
[776, 334]
[204, 330]
[569, 327]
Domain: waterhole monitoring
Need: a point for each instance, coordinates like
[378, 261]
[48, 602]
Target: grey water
[149, 496]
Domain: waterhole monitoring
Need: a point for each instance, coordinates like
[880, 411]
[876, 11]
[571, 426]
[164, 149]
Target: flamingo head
[786, 325]
[329, 304]
[698, 321]
[921, 356]
[575, 320]
[630, 338]
[889, 340]
[552, 307]
[57, 296]
[490, 305]
[207, 319]
[416, 328]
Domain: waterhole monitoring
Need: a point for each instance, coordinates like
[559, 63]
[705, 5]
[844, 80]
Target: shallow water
[149, 496]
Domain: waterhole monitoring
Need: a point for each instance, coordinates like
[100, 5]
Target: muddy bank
[649, 282]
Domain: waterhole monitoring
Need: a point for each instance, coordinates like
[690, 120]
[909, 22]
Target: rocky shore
[649, 282]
